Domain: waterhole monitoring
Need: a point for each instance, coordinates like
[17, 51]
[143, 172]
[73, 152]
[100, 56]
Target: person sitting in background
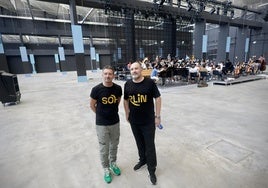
[218, 72]
[202, 76]
[203, 68]
[261, 58]
[193, 72]
[193, 68]
[128, 65]
[262, 66]
[163, 73]
[228, 68]
[154, 74]
[209, 69]
[144, 63]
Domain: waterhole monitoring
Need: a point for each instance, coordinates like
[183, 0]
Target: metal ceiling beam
[152, 8]
[89, 12]
[30, 9]
[215, 2]
[13, 3]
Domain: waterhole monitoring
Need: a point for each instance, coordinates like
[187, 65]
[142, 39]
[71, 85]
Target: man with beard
[142, 103]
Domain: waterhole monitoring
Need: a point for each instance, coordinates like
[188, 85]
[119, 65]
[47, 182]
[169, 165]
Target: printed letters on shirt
[138, 99]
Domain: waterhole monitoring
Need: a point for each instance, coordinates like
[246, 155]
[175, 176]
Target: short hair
[139, 63]
[108, 67]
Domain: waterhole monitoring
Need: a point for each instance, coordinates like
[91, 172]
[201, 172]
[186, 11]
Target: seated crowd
[169, 70]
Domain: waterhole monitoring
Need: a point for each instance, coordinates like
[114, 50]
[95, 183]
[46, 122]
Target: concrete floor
[213, 137]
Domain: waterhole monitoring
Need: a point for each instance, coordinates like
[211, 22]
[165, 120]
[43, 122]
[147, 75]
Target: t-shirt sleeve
[120, 91]
[156, 92]
[125, 91]
[93, 93]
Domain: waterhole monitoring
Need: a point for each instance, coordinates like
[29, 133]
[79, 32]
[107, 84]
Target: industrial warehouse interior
[52, 53]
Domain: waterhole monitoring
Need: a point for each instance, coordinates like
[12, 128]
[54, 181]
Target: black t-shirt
[141, 100]
[107, 103]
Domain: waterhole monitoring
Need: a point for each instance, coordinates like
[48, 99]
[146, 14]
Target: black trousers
[144, 136]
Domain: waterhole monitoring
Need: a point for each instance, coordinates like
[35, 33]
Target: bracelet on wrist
[157, 117]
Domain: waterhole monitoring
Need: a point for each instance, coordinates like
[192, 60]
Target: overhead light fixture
[232, 13]
[228, 3]
[212, 10]
[226, 7]
[155, 17]
[178, 3]
[146, 15]
[190, 6]
[107, 9]
[218, 10]
[201, 7]
[225, 10]
[161, 2]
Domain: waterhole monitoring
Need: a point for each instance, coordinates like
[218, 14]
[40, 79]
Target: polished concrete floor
[213, 137]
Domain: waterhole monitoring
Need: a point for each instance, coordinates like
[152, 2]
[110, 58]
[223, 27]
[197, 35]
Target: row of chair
[183, 74]
[175, 74]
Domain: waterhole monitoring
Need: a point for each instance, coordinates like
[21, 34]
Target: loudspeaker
[9, 88]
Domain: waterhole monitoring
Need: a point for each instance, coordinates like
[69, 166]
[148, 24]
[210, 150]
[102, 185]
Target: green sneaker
[107, 176]
[114, 168]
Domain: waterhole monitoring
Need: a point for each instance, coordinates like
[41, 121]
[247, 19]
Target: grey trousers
[108, 137]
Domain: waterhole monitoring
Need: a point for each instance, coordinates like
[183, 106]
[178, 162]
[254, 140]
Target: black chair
[182, 73]
[203, 76]
[202, 79]
[228, 68]
[169, 74]
[163, 76]
[216, 73]
[193, 77]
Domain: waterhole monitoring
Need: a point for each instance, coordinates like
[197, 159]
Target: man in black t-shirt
[142, 103]
[104, 100]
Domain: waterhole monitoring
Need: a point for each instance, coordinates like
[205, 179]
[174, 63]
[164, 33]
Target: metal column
[258, 42]
[78, 44]
[3, 58]
[130, 36]
[241, 37]
[199, 31]
[169, 37]
[222, 55]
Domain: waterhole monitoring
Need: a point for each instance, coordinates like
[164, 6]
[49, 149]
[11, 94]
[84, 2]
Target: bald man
[142, 103]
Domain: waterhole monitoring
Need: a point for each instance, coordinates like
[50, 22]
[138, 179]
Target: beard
[135, 76]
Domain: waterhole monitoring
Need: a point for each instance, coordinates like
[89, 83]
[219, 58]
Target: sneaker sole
[107, 181]
[115, 173]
